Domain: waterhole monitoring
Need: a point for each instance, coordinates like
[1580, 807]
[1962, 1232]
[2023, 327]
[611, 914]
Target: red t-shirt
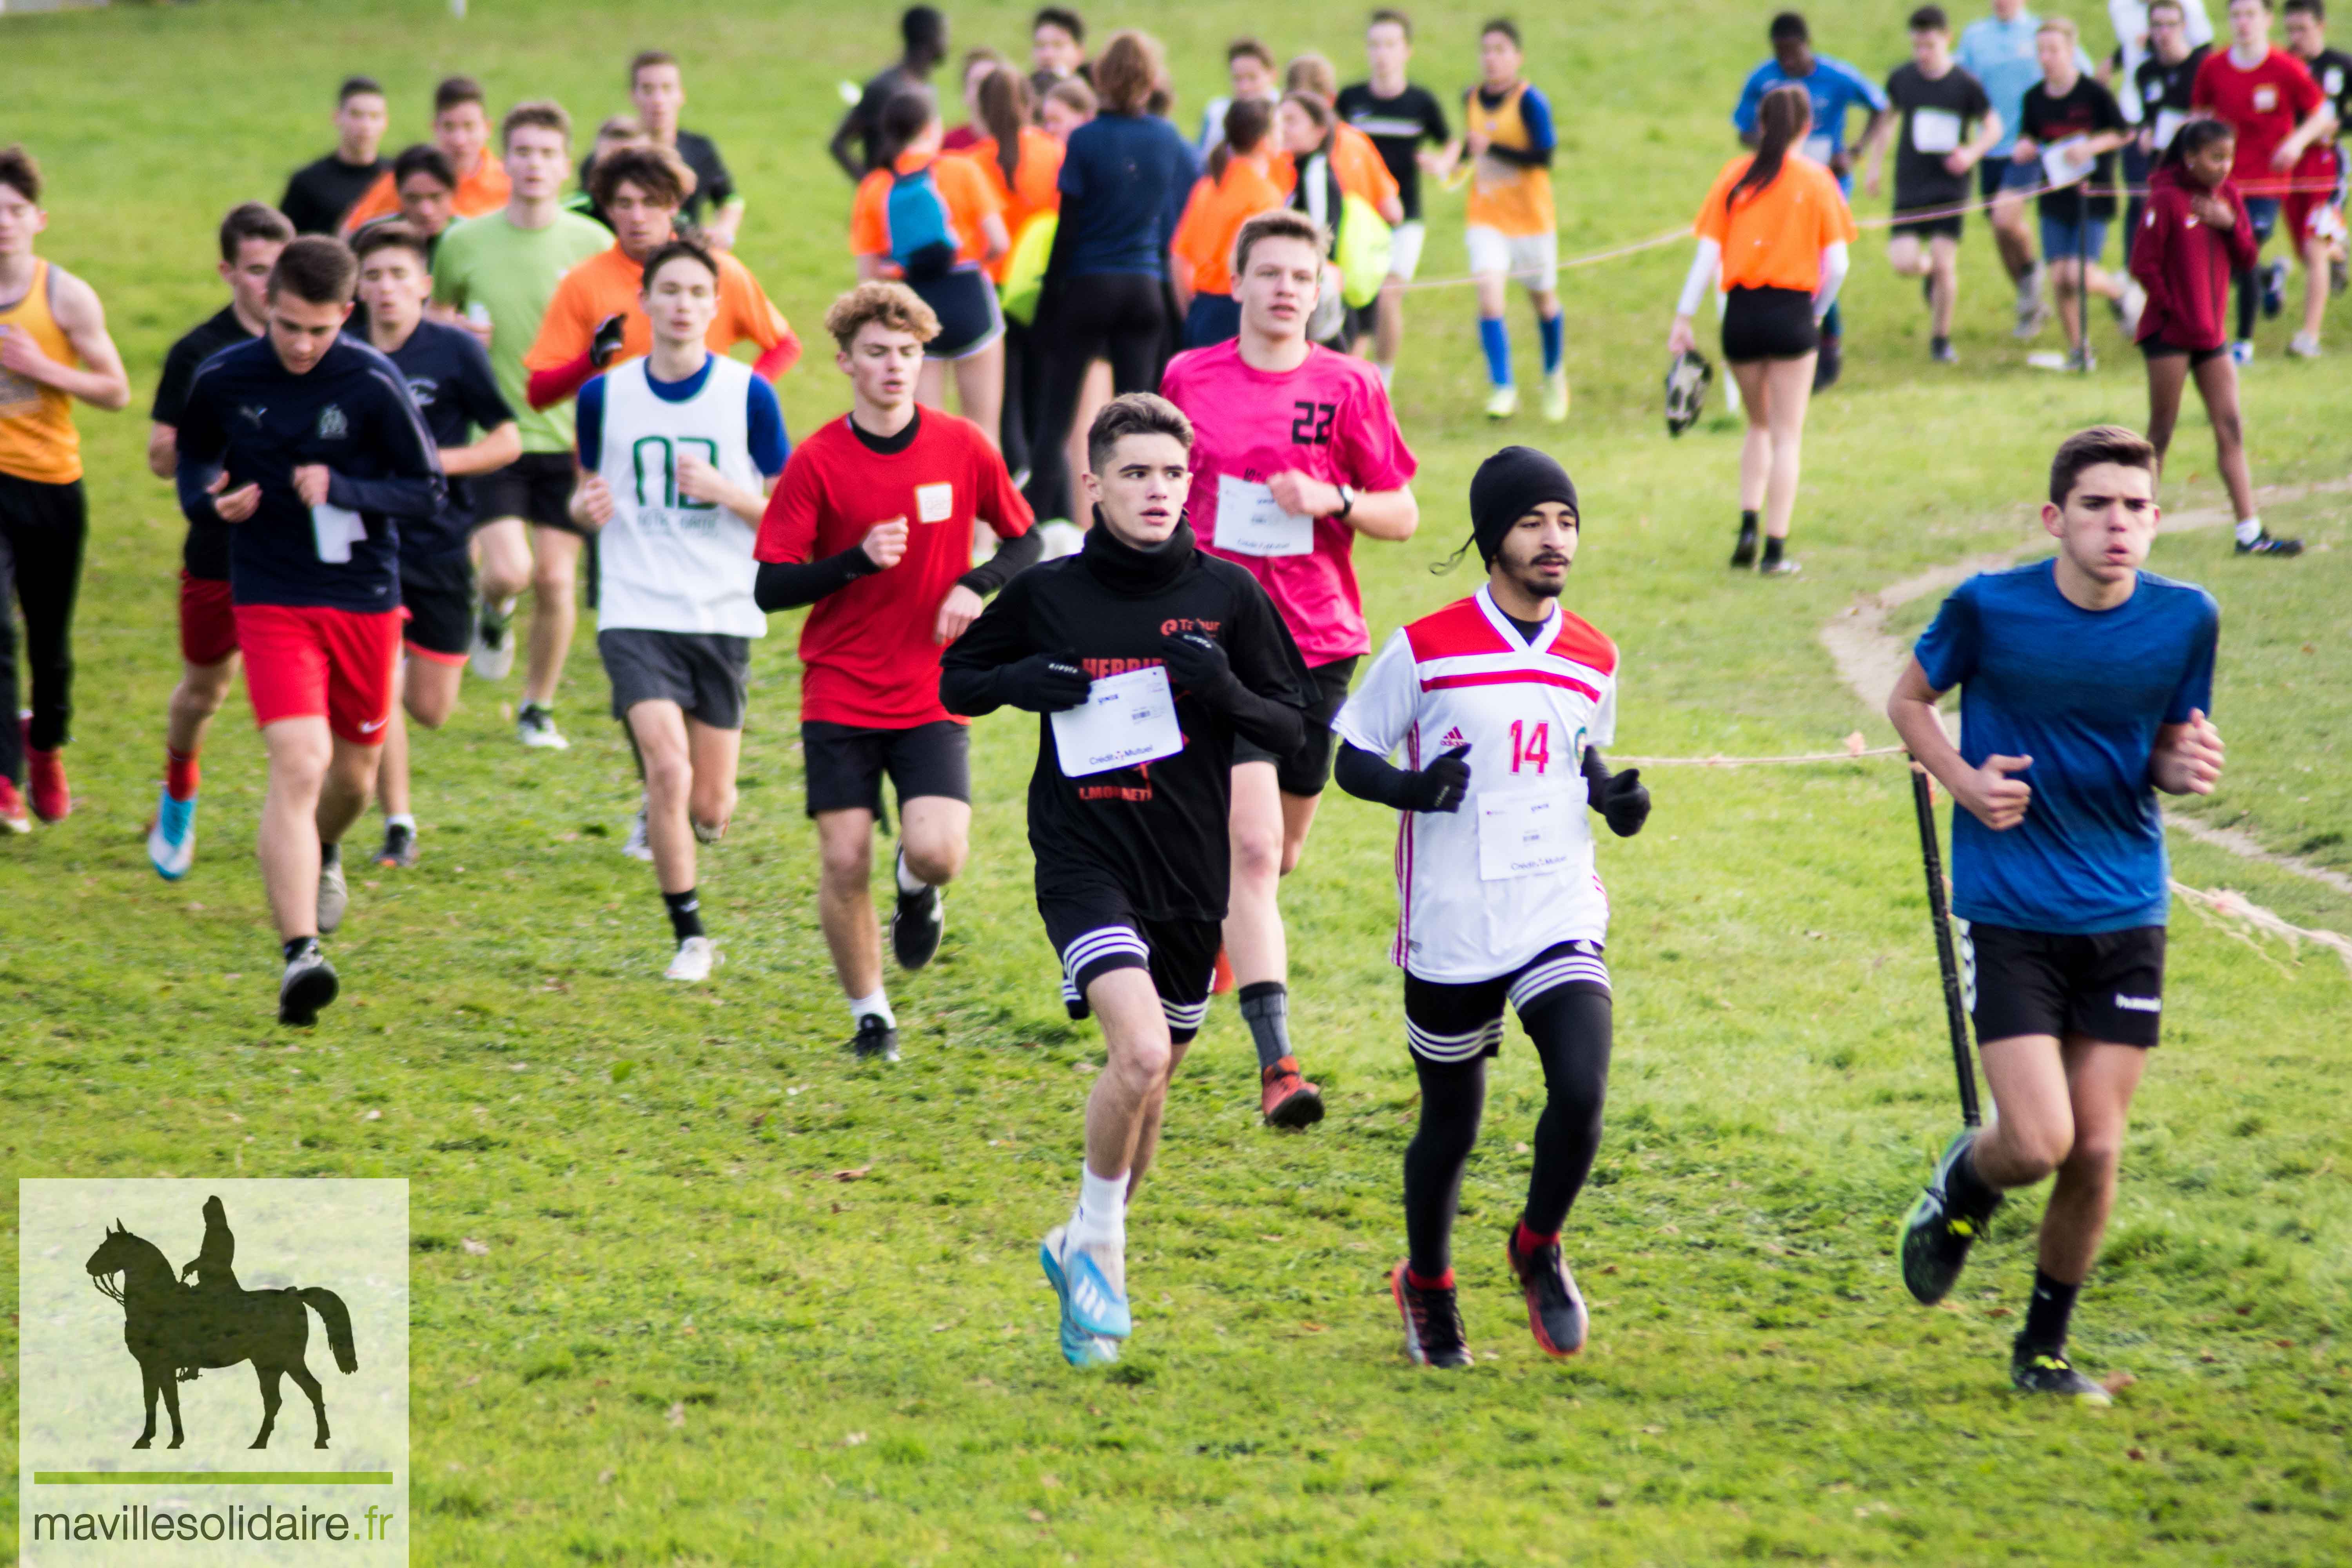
[867, 654]
[1329, 419]
[2263, 105]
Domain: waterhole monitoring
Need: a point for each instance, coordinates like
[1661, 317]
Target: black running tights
[43, 529]
[1570, 1029]
[1118, 316]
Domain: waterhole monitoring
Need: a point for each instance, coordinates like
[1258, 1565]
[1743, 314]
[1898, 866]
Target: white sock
[908, 883]
[402, 820]
[2250, 530]
[1387, 372]
[1101, 1217]
[878, 1005]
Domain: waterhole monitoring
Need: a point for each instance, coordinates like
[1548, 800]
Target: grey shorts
[706, 673]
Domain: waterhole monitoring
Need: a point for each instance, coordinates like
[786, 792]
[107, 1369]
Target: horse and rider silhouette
[173, 1329]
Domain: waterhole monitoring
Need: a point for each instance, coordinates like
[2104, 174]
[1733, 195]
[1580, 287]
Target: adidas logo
[1454, 737]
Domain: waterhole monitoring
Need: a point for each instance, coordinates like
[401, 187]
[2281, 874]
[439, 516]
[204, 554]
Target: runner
[450, 377]
[461, 129]
[1296, 451]
[2196, 236]
[50, 320]
[1023, 164]
[1400, 118]
[1512, 230]
[615, 130]
[1057, 52]
[1937, 102]
[1484, 697]
[320, 193]
[1249, 73]
[2000, 51]
[308, 445]
[936, 223]
[2278, 111]
[1355, 162]
[1237, 186]
[501, 269]
[251, 235]
[2068, 129]
[1131, 858]
[427, 189]
[1777, 231]
[2088, 679]
[2136, 45]
[872, 523]
[596, 319]
[2314, 210]
[923, 33]
[2162, 83]
[673, 610]
[1834, 87]
[658, 91]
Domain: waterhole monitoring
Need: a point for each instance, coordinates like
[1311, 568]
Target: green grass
[690, 1343]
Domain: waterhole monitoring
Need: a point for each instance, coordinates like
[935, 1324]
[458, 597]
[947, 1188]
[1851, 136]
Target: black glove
[606, 342]
[1044, 683]
[1625, 802]
[1198, 663]
[1441, 786]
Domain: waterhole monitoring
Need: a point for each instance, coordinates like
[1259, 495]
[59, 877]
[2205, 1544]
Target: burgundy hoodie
[2185, 266]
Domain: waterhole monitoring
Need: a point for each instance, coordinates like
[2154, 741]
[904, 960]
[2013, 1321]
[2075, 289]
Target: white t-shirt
[1482, 891]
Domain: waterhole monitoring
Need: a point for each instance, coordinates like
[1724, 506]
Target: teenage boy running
[657, 92]
[677, 450]
[461, 129]
[1296, 451]
[593, 320]
[1499, 702]
[2068, 111]
[2000, 52]
[449, 376]
[2163, 82]
[1249, 73]
[2314, 210]
[1937, 102]
[1170, 655]
[2083, 685]
[872, 523]
[320, 194]
[251, 235]
[1510, 224]
[50, 320]
[1405, 123]
[2278, 111]
[308, 445]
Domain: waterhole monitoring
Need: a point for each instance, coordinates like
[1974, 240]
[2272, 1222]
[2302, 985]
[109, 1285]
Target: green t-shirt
[512, 272]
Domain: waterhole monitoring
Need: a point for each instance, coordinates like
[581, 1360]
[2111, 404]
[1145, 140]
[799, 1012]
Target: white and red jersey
[1482, 891]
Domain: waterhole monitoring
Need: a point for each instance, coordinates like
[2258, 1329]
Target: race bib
[1250, 523]
[1523, 835]
[1128, 719]
[2169, 123]
[333, 530]
[2265, 99]
[934, 504]
[2066, 163]
[1820, 148]
[1935, 130]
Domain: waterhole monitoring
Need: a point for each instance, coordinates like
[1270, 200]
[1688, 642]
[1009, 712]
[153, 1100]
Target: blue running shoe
[1088, 1302]
[171, 842]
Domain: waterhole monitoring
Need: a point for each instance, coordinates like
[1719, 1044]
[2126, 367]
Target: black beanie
[1509, 485]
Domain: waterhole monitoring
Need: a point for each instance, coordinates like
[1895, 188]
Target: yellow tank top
[1505, 197]
[37, 438]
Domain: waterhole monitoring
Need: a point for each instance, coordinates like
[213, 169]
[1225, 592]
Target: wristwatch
[1347, 503]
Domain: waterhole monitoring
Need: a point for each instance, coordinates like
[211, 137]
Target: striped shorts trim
[1462, 1022]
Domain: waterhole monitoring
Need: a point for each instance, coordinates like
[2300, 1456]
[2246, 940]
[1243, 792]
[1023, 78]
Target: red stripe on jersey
[1510, 678]
[1459, 629]
[1577, 641]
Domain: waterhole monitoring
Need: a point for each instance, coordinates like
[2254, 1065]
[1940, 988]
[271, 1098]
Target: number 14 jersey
[1482, 891]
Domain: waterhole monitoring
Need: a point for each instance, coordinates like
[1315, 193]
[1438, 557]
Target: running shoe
[915, 927]
[1784, 567]
[1088, 1302]
[334, 893]
[1555, 395]
[2049, 1372]
[492, 655]
[693, 962]
[1555, 1314]
[2303, 345]
[1942, 352]
[308, 985]
[45, 773]
[2032, 309]
[1079, 1348]
[1433, 1322]
[1935, 1235]
[171, 842]
[2241, 352]
[13, 815]
[1502, 402]
[1287, 1099]
[1743, 553]
[2273, 289]
[2083, 360]
[535, 726]
[399, 851]
[639, 847]
[877, 1039]
[2269, 543]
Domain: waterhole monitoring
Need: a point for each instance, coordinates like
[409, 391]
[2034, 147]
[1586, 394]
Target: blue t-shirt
[2001, 56]
[2082, 692]
[448, 373]
[1125, 180]
[1834, 87]
[763, 417]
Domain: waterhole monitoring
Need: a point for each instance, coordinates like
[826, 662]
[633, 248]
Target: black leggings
[1121, 316]
[43, 529]
[1570, 1029]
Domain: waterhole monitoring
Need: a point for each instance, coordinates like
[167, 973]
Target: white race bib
[934, 504]
[2169, 123]
[334, 530]
[2066, 163]
[1820, 148]
[1128, 719]
[1935, 130]
[1250, 523]
[1523, 835]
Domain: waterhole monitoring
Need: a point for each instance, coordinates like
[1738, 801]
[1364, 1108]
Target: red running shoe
[12, 809]
[46, 771]
[1221, 979]
[1287, 1098]
[1555, 1314]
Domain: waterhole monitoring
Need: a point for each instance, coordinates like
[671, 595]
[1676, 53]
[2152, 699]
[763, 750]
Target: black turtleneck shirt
[1157, 833]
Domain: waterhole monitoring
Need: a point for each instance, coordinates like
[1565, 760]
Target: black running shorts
[1460, 1023]
[1305, 772]
[1098, 931]
[1944, 222]
[439, 596]
[706, 673]
[970, 317]
[845, 764]
[2157, 348]
[535, 486]
[2108, 985]
[1768, 323]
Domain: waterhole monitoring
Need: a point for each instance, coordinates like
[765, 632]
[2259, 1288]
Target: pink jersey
[1329, 419]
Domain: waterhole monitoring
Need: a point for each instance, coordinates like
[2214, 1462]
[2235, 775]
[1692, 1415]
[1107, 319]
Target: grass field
[690, 1342]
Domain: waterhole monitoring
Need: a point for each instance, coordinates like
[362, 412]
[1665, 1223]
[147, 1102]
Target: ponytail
[1247, 123]
[2193, 137]
[1004, 106]
[905, 118]
[1782, 120]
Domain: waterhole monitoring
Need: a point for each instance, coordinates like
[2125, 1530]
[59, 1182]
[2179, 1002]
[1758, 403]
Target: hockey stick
[1947, 957]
